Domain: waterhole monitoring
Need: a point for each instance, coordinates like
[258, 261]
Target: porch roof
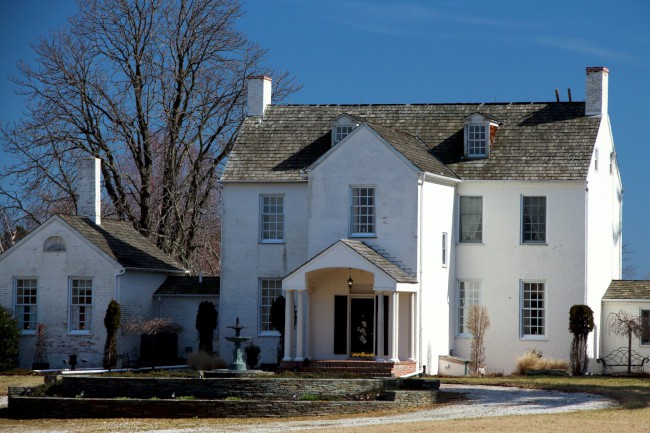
[348, 253]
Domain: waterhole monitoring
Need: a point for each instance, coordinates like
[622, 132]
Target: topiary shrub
[9, 341]
[206, 323]
[581, 323]
[112, 324]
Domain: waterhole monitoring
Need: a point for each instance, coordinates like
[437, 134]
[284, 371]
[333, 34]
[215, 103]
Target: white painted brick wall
[596, 96]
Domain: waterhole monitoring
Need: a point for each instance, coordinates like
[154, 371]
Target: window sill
[363, 235]
[533, 338]
[544, 244]
[80, 332]
[464, 336]
[269, 334]
[279, 242]
[470, 243]
[27, 332]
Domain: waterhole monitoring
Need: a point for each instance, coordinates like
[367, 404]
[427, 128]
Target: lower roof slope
[628, 290]
[120, 241]
[536, 141]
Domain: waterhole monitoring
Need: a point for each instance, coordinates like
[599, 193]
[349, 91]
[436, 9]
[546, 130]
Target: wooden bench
[619, 358]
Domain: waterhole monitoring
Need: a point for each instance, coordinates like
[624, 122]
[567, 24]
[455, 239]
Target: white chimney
[259, 95]
[597, 88]
[88, 189]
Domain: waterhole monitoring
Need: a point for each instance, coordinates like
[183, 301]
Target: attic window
[480, 134]
[341, 132]
[476, 140]
[54, 244]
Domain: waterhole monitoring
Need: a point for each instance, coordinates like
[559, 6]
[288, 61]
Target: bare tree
[627, 325]
[154, 88]
[629, 267]
[477, 323]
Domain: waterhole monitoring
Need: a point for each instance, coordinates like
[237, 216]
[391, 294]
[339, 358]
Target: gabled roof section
[628, 290]
[537, 141]
[486, 117]
[189, 286]
[414, 150]
[388, 267]
[121, 242]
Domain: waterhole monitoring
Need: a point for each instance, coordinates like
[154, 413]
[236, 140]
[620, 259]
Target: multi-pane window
[26, 294]
[532, 309]
[533, 221]
[272, 218]
[469, 293]
[340, 132]
[270, 290]
[444, 249]
[645, 323]
[471, 219]
[362, 213]
[476, 140]
[81, 305]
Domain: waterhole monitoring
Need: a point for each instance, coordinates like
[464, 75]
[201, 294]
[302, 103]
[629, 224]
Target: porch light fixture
[350, 279]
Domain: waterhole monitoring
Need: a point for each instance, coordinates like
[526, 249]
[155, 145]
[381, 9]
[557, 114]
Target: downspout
[419, 299]
[586, 296]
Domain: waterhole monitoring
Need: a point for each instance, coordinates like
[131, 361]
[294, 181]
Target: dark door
[362, 326]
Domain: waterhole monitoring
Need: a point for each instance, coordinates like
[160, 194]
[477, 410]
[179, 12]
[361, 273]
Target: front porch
[349, 309]
[352, 367]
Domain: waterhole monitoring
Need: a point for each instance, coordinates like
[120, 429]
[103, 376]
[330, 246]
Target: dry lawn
[633, 394]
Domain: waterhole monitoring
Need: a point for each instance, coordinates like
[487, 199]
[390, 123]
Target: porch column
[307, 311]
[299, 325]
[379, 356]
[393, 331]
[412, 333]
[288, 325]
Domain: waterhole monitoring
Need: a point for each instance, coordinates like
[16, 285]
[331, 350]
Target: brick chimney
[597, 89]
[88, 190]
[259, 95]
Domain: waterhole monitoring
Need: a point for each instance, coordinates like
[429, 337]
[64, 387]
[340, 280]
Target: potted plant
[252, 352]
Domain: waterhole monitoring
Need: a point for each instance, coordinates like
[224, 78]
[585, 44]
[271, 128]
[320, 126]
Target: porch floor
[369, 368]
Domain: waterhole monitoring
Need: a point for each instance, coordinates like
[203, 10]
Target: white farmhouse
[64, 274]
[382, 224]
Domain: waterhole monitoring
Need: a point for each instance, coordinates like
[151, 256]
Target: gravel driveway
[481, 401]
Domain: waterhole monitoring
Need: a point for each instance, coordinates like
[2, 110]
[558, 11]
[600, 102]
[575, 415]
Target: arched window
[54, 244]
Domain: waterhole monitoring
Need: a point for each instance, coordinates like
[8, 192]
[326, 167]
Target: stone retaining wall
[261, 397]
[219, 388]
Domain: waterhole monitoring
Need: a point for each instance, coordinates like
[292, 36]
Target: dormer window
[480, 134]
[340, 132]
[476, 141]
[342, 126]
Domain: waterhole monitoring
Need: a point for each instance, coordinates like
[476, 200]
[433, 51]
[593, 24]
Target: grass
[633, 394]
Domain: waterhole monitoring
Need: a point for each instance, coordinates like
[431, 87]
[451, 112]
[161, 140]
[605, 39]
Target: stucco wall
[612, 341]
[245, 259]
[501, 262]
[604, 228]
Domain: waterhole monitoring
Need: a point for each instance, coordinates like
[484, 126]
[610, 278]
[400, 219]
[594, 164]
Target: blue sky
[390, 51]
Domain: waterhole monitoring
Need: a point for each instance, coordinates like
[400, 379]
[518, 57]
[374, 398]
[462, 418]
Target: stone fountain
[238, 363]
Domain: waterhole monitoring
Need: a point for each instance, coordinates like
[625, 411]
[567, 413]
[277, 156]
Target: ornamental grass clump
[532, 360]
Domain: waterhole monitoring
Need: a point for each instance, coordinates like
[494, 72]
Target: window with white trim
[272, 218]
[26, 290]
[469, 293]
[80, 320]
[340, 132]
[477, 140]
[444, 249]
[533, 220]
[645, 325]
[270, 289]
[362, 211]
[471, 219]
[533, 311]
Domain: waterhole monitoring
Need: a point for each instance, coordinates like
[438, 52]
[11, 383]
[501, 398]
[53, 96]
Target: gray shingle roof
[390, 268]
[120, 241]
[536, 141]
[628, 289]
[187, 285]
